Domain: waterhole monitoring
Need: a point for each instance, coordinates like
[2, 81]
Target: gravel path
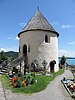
[2, 97]
[54, 91]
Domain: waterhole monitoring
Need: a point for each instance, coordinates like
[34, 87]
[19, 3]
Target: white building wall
[39, 49]
[54, 50]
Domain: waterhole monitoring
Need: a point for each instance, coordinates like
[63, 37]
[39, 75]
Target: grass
[42, 82]
[0, 78]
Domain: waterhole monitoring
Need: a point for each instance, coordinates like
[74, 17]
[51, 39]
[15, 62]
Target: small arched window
[46, 38]
[25, 50]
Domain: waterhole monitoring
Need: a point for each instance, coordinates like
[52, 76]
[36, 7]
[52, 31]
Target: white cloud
[17, 38]
[72, 43]
[9, 38]
[13, 38]
[66, 53]
[62, 52]
[66, 26]
[8, 49]
[55, 23]
[3, 49]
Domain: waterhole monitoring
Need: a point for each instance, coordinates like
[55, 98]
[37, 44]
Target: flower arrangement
[13, 79]
[24, 83]
[18, 82]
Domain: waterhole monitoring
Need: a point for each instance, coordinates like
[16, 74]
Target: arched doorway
[25, 50]
[52, 64]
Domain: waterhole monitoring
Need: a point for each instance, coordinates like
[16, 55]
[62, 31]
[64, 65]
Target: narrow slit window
[28, 48]
[46, 38]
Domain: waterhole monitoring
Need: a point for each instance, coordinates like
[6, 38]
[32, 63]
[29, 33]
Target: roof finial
[38, 8]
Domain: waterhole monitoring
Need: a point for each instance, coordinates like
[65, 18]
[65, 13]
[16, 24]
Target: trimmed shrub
[27, 80]
[19, 84]
[33, 80]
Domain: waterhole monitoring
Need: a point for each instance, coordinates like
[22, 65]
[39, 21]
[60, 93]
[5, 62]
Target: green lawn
[0, 78]
[42, 82]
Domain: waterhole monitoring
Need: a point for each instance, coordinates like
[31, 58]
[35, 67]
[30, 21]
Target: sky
[14, 15]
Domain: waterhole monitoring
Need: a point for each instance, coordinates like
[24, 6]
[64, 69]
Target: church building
[39, 42]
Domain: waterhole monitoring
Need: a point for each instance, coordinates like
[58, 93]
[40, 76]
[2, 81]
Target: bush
[13, 79]
[63, 60]
[27, 80]
[33, 80]
[19, 84]
[33, 74]
[22, 78]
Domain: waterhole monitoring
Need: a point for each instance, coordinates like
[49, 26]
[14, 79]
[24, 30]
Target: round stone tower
[39, 41]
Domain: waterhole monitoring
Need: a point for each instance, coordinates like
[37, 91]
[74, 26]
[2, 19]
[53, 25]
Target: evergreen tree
[63, 60]
[2, 57]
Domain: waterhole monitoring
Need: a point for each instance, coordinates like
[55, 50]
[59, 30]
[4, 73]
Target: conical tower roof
[38, 22]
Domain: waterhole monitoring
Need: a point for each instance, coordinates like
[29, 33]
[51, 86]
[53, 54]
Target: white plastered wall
[39, 49]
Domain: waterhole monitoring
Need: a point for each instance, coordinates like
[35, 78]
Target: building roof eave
[38, 30]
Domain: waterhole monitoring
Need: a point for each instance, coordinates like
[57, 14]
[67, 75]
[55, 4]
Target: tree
[63, 60]
[2, 57]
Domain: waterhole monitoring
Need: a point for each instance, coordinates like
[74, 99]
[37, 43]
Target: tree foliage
[2, 57]
[63, 60]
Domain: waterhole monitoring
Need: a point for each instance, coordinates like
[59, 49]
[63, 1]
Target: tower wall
[39, 49]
